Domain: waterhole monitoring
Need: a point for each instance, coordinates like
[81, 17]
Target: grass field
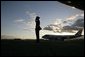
[44, 48]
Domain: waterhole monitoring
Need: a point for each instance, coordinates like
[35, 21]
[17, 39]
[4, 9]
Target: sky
[18, 17]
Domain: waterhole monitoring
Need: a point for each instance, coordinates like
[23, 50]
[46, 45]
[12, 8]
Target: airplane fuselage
[59, 37]
[62, 37]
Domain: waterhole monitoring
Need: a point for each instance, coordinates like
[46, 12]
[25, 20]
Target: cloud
[71, 23]
[73, 7]
[79, 23]
[32, 15]
[27, 24]
[57, 21]
[82, 14]
[31, 21]
[48, 28]
[72, 17]
[20, 20]
[70, 28]
[28, 12]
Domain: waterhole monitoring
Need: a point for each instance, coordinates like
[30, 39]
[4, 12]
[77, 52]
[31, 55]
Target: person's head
[37, 17]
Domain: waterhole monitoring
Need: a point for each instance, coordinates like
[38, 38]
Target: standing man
[37, 28]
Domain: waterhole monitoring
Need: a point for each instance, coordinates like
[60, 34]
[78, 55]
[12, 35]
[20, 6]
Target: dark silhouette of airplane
[62, 37]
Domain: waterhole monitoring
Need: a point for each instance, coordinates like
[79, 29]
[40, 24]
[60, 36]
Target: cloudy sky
[17, 17]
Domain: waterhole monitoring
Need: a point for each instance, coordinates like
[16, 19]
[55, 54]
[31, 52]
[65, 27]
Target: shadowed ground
[44, 48]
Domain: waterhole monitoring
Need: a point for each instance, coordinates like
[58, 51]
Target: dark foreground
[44, 48]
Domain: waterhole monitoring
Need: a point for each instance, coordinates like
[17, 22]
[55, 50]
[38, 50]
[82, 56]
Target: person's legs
[37, 36]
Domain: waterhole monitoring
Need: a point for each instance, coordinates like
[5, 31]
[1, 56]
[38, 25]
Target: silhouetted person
[37, 28]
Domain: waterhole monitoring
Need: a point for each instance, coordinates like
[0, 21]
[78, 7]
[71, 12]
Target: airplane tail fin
[79, 32]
